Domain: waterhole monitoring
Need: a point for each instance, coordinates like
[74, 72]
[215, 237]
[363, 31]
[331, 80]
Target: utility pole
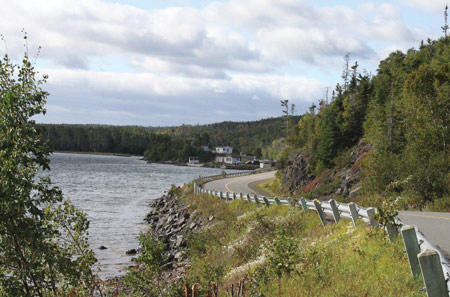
[445, 27]
[285, 105]
[346, 71]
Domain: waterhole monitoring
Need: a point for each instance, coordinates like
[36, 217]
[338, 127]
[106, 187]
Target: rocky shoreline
[171, 223]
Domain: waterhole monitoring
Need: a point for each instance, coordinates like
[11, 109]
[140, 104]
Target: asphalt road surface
[241, 184]
[435, 225]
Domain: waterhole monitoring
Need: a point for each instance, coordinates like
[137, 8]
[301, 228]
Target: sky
[174, 62]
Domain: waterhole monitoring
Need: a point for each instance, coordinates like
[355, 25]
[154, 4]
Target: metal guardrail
[424, 257]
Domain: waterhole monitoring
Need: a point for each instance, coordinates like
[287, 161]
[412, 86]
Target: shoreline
[182, 164]
[97, 153]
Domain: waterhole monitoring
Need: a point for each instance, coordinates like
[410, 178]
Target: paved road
[242, 184]
[435, 225]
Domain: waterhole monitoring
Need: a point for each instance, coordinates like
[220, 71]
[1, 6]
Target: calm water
[115, 192]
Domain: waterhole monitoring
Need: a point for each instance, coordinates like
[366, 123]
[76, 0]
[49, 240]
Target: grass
[272, 187]
[281, 251]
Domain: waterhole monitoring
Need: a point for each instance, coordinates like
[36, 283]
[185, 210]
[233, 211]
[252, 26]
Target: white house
[194, 160]
[232, 159]
[228, 159]
[224, 150]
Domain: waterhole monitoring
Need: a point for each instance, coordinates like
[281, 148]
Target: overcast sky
[172, 62]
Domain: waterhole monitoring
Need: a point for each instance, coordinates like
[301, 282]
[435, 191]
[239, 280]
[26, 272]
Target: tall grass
[281, 251]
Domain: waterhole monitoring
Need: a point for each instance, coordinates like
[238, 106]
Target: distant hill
[165, 143]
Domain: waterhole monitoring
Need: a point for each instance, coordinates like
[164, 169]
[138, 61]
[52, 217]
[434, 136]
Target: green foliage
[175, 191]
[336, 126]
[283, 255]
[162, 147]
[402, 112]
[292, 254]
[96, 138]
[442, 204]
[43, 239]
[245, 137]
[259, 138]
[147, 279]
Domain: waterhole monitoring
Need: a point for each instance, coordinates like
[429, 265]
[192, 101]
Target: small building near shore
[232, 159]
[194, 160]
[228, 159]
[266, 164]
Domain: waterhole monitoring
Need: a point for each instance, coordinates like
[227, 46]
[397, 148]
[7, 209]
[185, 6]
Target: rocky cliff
[341, 181]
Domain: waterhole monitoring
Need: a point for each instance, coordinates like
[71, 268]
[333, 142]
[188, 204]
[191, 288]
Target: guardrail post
[353, 212]
[228, 196]
[256, 199]
[221, 195]
[370, 214]
[234, 196]
[433, 276]
[266, 202]
[241, 196]
[215, 194]
[412, 249]
[303, 204]
[335, 210]
[320, 212]
[392, 231]
[248, 198]
[277, 201]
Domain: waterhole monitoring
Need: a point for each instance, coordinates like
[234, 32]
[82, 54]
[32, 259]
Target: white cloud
[431, 5]
[141, 85]
[145, 98]
[245, 36]
[227, 54]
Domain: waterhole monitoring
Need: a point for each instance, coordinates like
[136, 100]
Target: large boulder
[295, 173]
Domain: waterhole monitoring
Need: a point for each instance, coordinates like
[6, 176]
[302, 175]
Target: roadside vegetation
[273, 187]
[282, 251]
[401, 113]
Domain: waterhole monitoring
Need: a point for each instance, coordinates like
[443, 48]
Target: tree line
[165, 143]
[403, 111]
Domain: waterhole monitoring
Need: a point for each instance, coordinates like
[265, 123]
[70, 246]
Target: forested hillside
[403, 113]
[95, 138]
[166, 143]
[247, 137]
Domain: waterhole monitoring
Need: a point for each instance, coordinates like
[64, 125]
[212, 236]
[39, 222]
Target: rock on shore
[171, 223]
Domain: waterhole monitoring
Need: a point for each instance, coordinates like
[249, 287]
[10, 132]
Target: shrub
[43, 239]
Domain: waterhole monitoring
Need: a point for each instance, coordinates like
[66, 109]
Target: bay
[115, 193]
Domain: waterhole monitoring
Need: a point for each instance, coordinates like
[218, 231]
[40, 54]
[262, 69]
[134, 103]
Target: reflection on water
[115, 192]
